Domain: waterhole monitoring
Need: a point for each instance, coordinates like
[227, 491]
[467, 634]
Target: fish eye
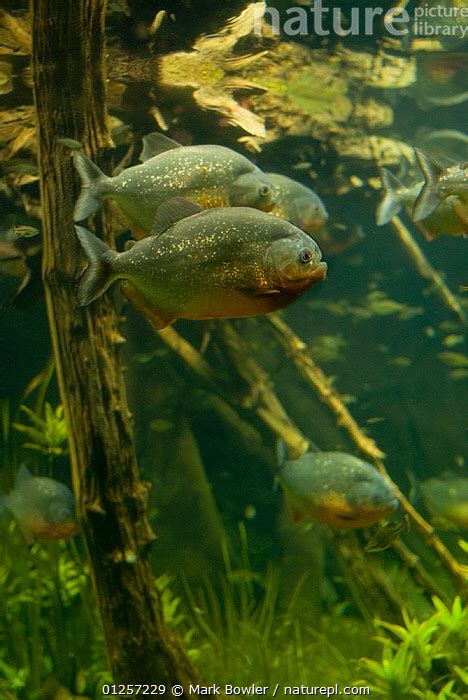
[264, 190]
[306, 255]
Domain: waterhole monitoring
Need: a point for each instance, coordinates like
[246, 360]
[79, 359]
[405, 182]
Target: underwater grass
[50, 634]
[240, 629]
[246, 632]
[49, 627]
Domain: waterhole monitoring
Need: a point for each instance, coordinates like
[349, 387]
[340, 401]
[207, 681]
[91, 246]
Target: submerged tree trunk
[69, 90]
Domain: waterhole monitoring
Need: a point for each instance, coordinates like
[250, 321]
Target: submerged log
[69, 93]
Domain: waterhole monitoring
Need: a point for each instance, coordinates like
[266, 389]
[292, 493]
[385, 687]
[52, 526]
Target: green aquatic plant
[328, 348]
[453, 359]
[174, 615]
[317, 96]
[456, 360]
[248, 630]
[47, 432]
[49, 623]
[12, 680]
[48, 620]
[422, 659]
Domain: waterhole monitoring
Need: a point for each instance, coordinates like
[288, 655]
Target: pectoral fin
[262, 292]
[22, 476]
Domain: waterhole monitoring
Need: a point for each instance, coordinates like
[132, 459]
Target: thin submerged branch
[314, 375]
[262, 399]
[262, 396]
[425, 268]
[318, 379]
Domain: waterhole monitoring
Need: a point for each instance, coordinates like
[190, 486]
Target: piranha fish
[303, 207]
[44, 508]
[297, 203]
[211, 176]
[441, 182]
[335, 488]
[20, 258]
[446, 500]
[199, 264]
[444, 220]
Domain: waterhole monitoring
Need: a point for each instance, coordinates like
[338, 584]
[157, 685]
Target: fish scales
[43, 507]
[336, 488]
[218, 263]
[209, 175]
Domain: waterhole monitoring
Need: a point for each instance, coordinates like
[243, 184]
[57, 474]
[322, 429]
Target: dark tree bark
[69, 90]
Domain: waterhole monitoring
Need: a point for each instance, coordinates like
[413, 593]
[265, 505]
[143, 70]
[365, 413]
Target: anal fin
[156, 319]
[461, 210]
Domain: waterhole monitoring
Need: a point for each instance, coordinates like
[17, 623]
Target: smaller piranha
[441, 182]
[446, 500]
[335, 488]
[44, 508]
[386, 535]
[444, 220]
[25, 231]
[198, 264]
[303, 207]
[211, 176]
[20, 258]
[442, 77]
[297, 203]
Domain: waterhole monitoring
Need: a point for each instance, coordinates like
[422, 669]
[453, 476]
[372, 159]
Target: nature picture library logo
[321, 18]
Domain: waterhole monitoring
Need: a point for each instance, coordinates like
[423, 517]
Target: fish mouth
[319, 273]
[267, 206]
[300, 285]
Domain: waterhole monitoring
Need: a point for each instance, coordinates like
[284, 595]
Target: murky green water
[257, 597]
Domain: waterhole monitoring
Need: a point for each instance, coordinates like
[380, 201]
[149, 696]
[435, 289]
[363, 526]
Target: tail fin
[390, 205]
[429, 198]
[99, 275]
[89, 200]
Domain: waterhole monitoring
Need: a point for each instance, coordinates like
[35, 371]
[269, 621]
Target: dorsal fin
[313, 447]
[154, 144]
[281, 453]
[23, 475]
[171, 211]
